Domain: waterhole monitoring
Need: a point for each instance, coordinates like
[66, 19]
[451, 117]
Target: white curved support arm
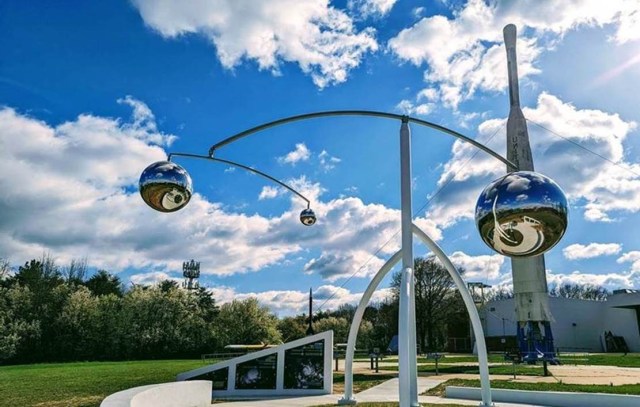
[483, 360]
[355, 326]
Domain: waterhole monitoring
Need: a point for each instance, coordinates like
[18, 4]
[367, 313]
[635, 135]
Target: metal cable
[584, 148]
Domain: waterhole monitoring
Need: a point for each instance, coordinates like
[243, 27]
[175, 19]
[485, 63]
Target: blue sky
[93, 92]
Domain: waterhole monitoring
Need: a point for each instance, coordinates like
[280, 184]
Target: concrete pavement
[387, 391]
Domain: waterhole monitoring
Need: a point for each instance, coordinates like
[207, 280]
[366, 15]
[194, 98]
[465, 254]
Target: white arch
[483, 361]
[355, 326]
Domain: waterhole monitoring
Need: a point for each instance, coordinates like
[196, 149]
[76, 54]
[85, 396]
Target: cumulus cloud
[152, 277]
[611, 281]
[291, 302]
[71, 190]
[579, 251]
[321, 39]
[484, 268]
[269, 192]
[465, 54]
[371, 8]
[301, 153]
[632, 257]
[604, 190]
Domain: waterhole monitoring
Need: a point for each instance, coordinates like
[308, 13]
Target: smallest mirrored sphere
[307, 217]
[165, 186]
[522, 214]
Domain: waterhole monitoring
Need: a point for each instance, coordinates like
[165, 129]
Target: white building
[579, 325]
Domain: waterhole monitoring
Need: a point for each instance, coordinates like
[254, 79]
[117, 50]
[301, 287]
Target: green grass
[610, 359]
[507, 384]
[361, 382]
[81, 384]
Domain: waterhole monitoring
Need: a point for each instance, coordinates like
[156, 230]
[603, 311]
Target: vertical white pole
[407, 369]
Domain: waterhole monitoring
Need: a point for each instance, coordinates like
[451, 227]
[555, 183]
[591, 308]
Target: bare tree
[579, 291]
[76, 271]
[435, 301]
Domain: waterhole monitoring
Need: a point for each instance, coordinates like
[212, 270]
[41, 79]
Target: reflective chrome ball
[307, 217]
[522, 214]
[165, 186]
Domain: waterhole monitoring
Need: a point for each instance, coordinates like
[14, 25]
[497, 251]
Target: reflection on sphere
[165, 186]
[307, 217]
[522, 214]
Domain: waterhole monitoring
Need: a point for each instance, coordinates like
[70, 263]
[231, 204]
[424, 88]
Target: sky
[93, 92]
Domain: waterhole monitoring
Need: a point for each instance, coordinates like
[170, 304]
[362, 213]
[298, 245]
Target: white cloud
[409, 108]
[335, 264]
[71, 190]
[465, 54]
[483, 268]
[371, 8]
[151, 278]
[301, 153]
[321, 39]
[605, 189]
[291, 302]
[417, 12]
[579, 251]
[610, 281]
[327, 161]
[632, 257]
[269, 192]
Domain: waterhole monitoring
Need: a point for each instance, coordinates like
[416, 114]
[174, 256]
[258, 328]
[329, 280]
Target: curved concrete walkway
[387, 391]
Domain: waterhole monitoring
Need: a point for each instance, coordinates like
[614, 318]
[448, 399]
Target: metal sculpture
[522, 214]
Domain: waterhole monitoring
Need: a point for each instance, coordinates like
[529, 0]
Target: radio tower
[529, 275]
[310, 327]
[191, 273]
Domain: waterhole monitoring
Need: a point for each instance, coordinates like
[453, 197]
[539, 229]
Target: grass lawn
[507, 369]
[606, 359]
[507, 384]
[81, 384]
[360, 381]
[87, 384]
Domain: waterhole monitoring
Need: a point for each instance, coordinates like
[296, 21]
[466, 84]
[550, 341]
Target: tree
[579, 291]
[75, 272]
[103, 283]
[500, 293]
[14, 328]
[339, 326]
[435, 301]
[168, 285]
[246, 322]
[292, 328]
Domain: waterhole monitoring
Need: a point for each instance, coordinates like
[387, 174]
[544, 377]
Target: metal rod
[244, 167]
[407, 370]
[369, 113]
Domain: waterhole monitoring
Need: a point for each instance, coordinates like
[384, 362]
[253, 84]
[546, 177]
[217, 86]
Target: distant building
[579, 325]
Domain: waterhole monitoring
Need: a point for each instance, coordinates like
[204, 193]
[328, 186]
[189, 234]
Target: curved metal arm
[244, 167]
[403, 118]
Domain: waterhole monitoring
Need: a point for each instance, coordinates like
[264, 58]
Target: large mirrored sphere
[522, 214]
[165, 186]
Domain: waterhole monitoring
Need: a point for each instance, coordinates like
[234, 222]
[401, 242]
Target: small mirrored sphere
[307, 217]
[165, 186]
[522, 214]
